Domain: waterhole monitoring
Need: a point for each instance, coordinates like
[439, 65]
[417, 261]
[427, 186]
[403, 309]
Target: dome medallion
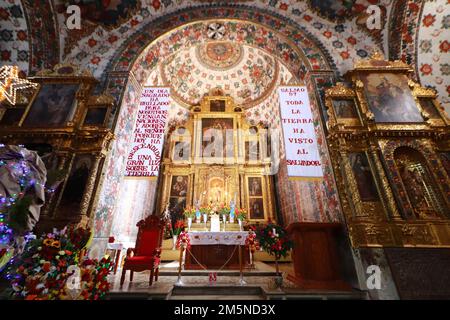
[219, 55]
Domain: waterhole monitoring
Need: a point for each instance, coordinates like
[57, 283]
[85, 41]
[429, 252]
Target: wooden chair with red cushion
[147, 251]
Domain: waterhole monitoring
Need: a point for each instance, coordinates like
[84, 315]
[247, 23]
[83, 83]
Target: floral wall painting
[390, 98]
[54, 105]
[363, 176]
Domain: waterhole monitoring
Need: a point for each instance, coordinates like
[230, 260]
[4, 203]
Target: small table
[117, 247]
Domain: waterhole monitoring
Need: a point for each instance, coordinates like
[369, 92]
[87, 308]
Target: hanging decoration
[11, 84]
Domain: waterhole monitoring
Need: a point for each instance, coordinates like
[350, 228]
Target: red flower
[345, 55]
[284, 6]
[95, 60]
[21, 35]
[307, 18]
[426, 69]
[444, 46]
[92, 42]
[6, 55]
[351, 40]
[134, 22]
[156, 4]
[327, 34]
[429, 20]
[112, 38]
[4, 14]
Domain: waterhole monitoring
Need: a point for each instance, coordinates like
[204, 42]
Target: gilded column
[395, 215]
[87, 195]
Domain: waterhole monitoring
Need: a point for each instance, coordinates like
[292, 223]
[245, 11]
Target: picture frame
[55, 105]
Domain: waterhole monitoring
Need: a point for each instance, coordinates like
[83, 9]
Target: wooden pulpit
[315, 256]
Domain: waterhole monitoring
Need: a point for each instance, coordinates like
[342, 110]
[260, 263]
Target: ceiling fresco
[42, 39]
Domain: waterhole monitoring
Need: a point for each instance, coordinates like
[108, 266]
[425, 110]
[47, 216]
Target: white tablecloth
[224, 237]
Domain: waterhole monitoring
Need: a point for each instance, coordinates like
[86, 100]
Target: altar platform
[196, 286]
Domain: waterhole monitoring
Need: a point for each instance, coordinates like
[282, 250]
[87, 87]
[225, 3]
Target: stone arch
[125, 72]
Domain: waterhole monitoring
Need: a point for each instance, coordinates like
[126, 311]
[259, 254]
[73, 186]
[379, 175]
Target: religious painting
[345, 109]
[181, 151]
[214, 130]
[254, 187]
[363, 176]
[216, 191]
[76, 183]
[256, 208]
[429, 107]
[54, 105]
[332, 9]
[217, 106]
[179, 186]
[389, 98]
[95, 116]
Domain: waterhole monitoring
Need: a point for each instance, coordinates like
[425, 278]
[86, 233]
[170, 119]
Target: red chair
[147, 251]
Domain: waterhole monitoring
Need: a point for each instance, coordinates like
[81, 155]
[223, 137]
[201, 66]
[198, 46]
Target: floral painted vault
[246, 48]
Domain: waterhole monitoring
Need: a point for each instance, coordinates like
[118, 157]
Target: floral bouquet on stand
[275, 241]
[224, 211]
[179, 227]
[189, 213]
[241, 215]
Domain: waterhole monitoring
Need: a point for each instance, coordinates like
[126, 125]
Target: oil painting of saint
[179, 186]
[215, 130]
[390, 99]
[54, 105]
[256, 208]
[345, 109]
[255, 187]
[363, 176]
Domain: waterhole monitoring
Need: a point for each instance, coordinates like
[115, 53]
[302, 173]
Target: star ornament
[11, 84]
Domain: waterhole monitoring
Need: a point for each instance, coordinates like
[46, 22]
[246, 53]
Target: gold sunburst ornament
[11, 84]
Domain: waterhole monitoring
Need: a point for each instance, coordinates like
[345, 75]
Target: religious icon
[256, 208]
[54, 105]
[254, 186]
[345, 108]
[390, 99]
[181, 150]
[363, 176]
[217, 106]
[217, 137]
[428, 106]
[179, 186]
[95, 116]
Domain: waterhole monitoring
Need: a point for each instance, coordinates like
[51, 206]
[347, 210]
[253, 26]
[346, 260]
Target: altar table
[213, 249]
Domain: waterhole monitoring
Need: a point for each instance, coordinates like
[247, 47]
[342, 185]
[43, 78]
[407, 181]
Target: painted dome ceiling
[247, 74]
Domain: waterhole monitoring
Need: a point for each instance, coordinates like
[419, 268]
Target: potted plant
[274, 240]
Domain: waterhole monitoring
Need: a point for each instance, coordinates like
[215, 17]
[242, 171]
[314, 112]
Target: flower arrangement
[224, 210]
[274, 240]
[179, 227]
[46, 268]
[241, 214]
[205, 210]
[184, 240]
[251, 242]
[190, 213]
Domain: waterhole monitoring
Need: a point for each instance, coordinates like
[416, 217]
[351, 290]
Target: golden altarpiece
[68, 126]
[390, 148]
[217, 157]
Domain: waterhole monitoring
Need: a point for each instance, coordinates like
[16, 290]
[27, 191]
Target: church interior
[199, 149]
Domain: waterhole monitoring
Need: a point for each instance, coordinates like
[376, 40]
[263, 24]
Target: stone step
[216, 290]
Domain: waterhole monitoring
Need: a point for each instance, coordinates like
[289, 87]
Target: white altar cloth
[223, 237]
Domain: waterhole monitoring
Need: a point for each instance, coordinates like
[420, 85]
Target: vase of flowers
[224, 211]
[190, 214]
[179, 227]
[241, 216]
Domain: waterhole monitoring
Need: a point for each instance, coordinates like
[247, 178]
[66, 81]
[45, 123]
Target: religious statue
[232, 208]
[197, 211]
